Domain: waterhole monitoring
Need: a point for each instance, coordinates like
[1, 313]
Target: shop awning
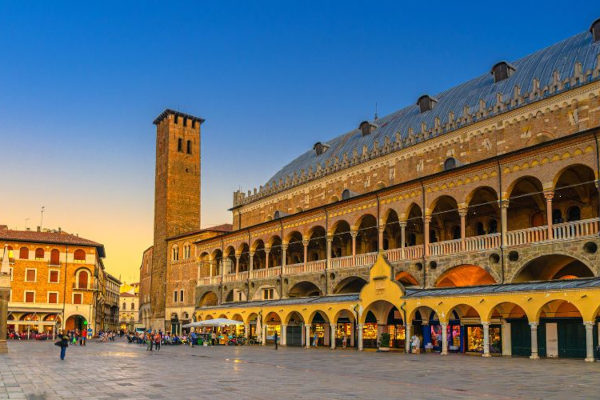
[213, 322]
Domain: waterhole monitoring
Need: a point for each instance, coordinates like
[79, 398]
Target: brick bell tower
[176, 195]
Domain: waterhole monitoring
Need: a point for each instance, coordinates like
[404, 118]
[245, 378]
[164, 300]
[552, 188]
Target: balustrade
[575, 229]
[342, 262]
[445, 247]
[483, 242]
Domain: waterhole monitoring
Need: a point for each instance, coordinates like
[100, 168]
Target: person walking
[316, 339]
[275, 337]
[63, 343]
[157, 340]
[149, 341]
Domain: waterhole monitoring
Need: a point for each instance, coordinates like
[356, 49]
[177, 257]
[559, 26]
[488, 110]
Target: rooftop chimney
[595, 29]
[3, 227]
[39, 228]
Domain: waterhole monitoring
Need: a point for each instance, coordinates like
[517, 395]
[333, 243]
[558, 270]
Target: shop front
[474, 339]
[395, 327]
[343, 330]
[370, 332]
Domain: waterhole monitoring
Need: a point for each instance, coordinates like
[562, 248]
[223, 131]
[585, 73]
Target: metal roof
[506, 288]
[543, 65]
[289, 301]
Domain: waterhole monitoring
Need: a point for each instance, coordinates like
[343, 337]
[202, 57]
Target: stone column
[360, 337]
[352, 333]
[4, 294]
[332, 335]
[534, 341]
[307, 335]
[251, 262]
[444, 326]
[380, 231]
[329, 241]
[426, 222]
[506, 339]
[267, 252]
[283, 340]
[237, 264]
[246, 331]
[284, 247]
[549, 196]
[305, 244]
[504, 220]
[264, 334]
[463, 226]
[486, 339]
[589, 341]
[407, 339]
[402, 238]
[353, 234]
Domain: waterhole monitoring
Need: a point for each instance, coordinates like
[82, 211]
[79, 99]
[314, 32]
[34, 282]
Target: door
[293, 335]
[571, 338]
[551, 340]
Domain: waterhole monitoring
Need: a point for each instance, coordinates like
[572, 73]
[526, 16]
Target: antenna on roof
[376, 116]
[42, 217]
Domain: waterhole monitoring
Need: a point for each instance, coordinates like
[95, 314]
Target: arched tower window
[54, 257]
[450, 163]
[83, 279]
[39, 253]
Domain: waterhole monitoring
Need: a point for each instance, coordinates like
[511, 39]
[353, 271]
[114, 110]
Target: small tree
[384, 340]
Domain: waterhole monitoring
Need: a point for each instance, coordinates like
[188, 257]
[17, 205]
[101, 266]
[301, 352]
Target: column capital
[305, 242]
[267, 249]
[427, 219]
[534, 325]
[402, 224]
[504, 203]
[353, 233]
[589, 324]
[251, 253]
[548, 194]
[485, 323]
[284, 246]
[329, 238]
[463, 211]
[381, 228]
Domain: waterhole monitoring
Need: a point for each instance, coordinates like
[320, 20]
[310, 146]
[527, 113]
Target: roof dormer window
[595, 29]
[320, 148]
[502, 71]
[366, 127]
[426, 103]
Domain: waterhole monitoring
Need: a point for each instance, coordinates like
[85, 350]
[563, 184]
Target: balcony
[560, 232]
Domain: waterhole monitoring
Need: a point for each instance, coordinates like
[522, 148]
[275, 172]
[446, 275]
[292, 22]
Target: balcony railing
[265, 273]
[560, 232]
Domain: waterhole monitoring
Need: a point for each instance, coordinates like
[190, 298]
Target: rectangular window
[181, 295]
[189, 147]
[29, 297]
[77, 298]
[180, 145]
[53, 276]
[30, 274]
[53, 297]
[175, 296]
[267, 294]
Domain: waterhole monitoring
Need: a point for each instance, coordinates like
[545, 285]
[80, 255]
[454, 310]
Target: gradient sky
[80, 84]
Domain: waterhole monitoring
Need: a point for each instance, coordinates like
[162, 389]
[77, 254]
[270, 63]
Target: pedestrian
[275, 337]
[63, 342]
[213, 338]
[316, 339]
[157, 340]
[149, 341]
[193, 338]
[344, 341]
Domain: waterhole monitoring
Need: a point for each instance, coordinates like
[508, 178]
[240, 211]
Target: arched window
[79, 255]
[24, 253]
[480, 229]
[124, 306]
[175, 253]
[82, 279]
[132, 306]
[573, 214]
[456, 232]
[39, 253]
[54, 257]
[557, 216]
[450, 163]
[493, 227]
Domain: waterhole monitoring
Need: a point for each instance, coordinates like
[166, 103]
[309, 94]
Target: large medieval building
[469, 219]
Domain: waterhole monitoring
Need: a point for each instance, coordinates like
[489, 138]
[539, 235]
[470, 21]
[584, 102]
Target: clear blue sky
[80, 84]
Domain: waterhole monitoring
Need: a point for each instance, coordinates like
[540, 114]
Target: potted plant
[384, 342]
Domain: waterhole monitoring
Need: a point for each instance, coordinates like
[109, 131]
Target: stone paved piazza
[120, 370]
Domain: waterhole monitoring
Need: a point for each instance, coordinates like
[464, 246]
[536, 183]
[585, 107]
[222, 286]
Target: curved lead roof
[541, 65]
